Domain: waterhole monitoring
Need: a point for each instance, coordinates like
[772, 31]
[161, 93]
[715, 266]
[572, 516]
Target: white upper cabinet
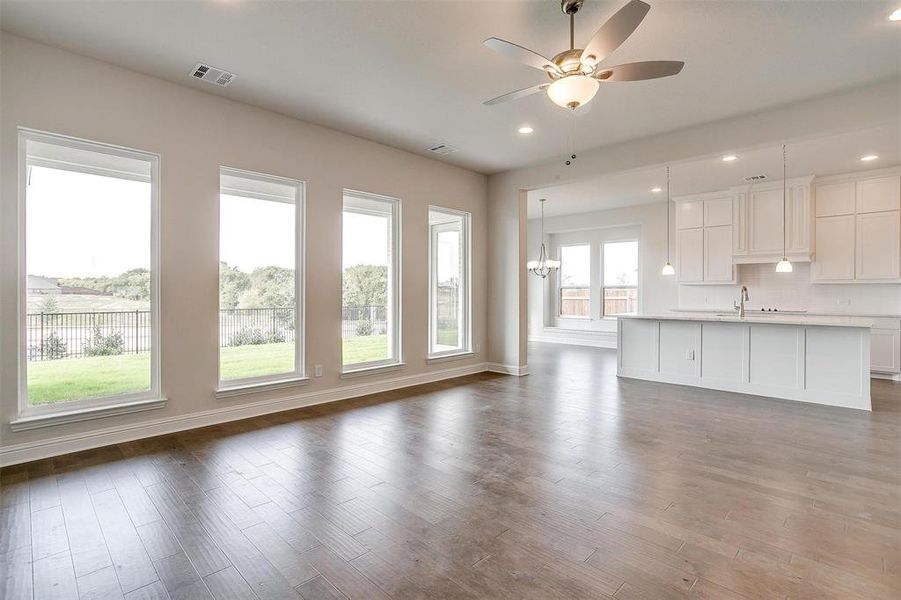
[878, 195]
[835, 248]
[835, 199]
[704, 238]
[858, 228]
[763, 224]
[878, 250]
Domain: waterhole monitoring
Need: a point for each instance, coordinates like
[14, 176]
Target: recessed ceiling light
[729, 158]
[656, 190]
[525, 129]
[869, 157]
[895, 16]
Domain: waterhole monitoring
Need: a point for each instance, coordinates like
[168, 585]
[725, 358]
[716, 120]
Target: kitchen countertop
[815, 313]
[752, 317]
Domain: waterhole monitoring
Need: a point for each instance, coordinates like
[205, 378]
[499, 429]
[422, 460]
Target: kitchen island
[820, 359]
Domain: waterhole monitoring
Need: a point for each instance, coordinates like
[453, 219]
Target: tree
[232, 282]
[133, 284]
[270, 287]
[49, 305]
[365, 285]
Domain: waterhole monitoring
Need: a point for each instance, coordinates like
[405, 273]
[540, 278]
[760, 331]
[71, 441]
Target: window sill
[374, 370]
[262, 386]
[438, 358]
[574, 318]
[84, 414]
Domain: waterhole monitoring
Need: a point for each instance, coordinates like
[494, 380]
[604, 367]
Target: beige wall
[194, 133]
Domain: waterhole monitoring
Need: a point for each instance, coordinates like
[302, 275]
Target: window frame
[636, 287]
[393, 311]
[466, 345]
[82, 407]
[561, 287]
[298, 374]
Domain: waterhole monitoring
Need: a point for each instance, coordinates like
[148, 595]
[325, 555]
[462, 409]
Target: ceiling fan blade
[517, 94]
[520, 54]
[638, 71]
[614, 32]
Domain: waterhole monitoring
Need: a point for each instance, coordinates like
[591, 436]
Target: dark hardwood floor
[568, 484]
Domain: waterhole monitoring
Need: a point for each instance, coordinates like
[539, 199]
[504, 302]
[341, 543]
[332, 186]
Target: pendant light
[668, 267]
[784, 265]
[543, 266]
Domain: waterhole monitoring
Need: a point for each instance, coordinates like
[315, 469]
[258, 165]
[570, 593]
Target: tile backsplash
[793, 291]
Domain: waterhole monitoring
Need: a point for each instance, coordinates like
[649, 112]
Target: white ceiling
[411, 74]
[821, 156]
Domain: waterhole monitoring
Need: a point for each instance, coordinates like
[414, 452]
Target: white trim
[371, 369]
[886, 376]
[592, 339]
[233, 387]
[507, 369]
[85, 405]
[231, 391]
[450, 356]
[84, 414]
[36, 450]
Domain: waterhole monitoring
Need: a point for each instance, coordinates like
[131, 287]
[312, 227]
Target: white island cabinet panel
[833, 361]
[724, 359]
[775, 355]
[824, 360]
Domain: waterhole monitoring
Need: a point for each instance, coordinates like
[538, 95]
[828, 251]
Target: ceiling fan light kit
[574, 73]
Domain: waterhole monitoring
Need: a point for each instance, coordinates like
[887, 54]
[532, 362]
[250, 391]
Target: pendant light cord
[784, 194]
[667, 216]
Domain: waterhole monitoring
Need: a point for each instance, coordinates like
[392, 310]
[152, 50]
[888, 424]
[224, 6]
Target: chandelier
[543, 266]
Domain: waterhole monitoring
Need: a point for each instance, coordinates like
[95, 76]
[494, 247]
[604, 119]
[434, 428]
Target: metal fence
[53, 336]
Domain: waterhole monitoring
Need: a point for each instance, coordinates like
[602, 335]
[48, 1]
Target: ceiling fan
[574, 74]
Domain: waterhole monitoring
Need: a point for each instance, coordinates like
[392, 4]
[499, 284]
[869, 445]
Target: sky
[73, 220]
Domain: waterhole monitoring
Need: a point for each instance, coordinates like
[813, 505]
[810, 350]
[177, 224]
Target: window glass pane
[575, 302]
[620, 301]
[368, 320]
[88, 247]
[449, 311]
[621, 264]
[257, 278]
[575, 266]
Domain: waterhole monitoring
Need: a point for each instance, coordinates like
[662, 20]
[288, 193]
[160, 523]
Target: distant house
[83, 291]
[37, 284]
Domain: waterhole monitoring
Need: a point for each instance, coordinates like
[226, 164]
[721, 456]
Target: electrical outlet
[317, 370]
[476, 348]
[690, 355]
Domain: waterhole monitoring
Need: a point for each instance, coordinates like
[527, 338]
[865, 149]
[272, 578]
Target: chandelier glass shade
[572, 91]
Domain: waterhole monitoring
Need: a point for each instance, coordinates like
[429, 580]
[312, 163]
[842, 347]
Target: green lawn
[97, 376]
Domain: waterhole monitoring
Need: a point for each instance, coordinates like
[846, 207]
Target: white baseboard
[593, 339]
[507, 369]
[888, 376]
[29, 451]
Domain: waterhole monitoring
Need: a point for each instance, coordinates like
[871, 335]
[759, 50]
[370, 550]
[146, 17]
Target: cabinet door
[885, 351]
[876, 195]
[718, 212]
[690, 215]
[718, 254]
[691, 254]
[879, 245]
[765, 218]
[835, 248]
[835, 199]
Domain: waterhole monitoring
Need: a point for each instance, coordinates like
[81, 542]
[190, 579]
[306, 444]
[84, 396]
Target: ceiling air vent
[755, 178]
[212, 75]
[442, 149]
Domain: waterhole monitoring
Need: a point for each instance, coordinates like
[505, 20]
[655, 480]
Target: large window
[449, 314]
[89, 313]
[620, 277]
[575, 281]
[260, 278]
[370, 311]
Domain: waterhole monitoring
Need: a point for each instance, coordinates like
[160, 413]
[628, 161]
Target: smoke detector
[442, 149]
[755, 178]
[212, 75]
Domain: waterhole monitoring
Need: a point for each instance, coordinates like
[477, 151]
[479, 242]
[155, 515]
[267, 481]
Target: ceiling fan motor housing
[570, 7]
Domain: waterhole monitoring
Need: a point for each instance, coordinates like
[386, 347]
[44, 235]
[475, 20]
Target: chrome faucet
[743, 297]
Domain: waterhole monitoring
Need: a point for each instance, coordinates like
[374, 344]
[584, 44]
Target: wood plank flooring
[568, 483]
